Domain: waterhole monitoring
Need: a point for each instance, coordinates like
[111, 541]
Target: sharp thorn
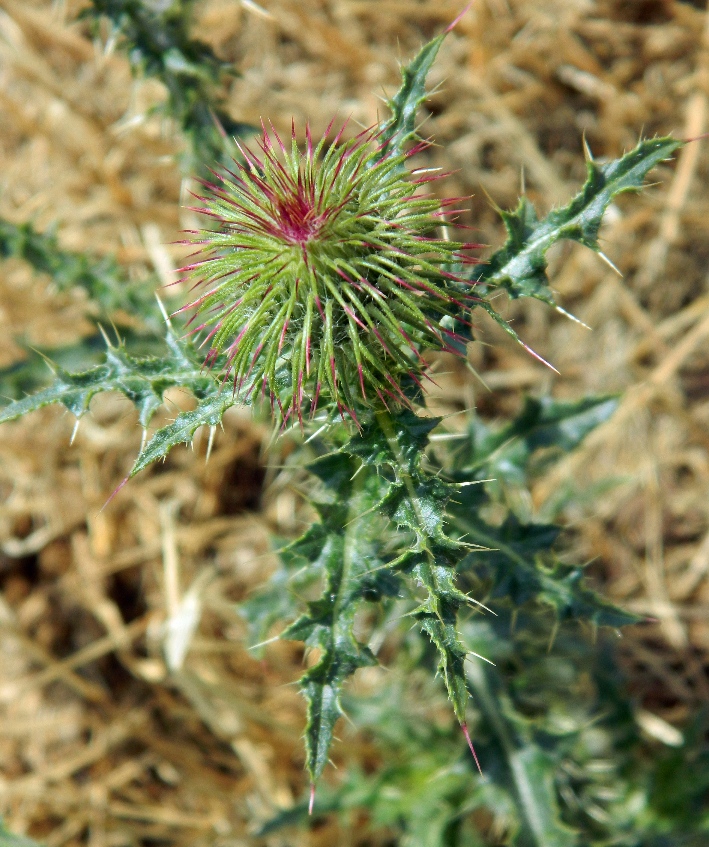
[163, 310]
[478, 656]
[74, 431]
[609, 263]
[464, 727]
[210, 443]
[539, 358]
[587, 150]
[571, 317]
[105, 336]
[116, 490]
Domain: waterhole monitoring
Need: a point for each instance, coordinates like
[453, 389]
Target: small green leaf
[270, 604]
[215, 400]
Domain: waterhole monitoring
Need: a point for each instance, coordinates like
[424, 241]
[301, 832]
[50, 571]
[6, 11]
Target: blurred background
[102, 744]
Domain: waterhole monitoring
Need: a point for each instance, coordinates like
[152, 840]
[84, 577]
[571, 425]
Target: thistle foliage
[155, 36]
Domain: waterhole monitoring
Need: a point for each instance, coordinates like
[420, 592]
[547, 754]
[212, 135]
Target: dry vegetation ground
[99, 743]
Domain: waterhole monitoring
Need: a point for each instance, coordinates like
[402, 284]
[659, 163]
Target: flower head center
[298, 222]
[297, 218]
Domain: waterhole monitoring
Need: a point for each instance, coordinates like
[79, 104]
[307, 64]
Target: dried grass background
[100, 743]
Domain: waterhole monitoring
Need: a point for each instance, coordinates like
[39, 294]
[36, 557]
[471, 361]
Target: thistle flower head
[323, 281]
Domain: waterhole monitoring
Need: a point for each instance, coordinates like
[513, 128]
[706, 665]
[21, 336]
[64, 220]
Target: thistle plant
[322, 281]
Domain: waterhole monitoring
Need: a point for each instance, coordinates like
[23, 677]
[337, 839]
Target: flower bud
[324, 280]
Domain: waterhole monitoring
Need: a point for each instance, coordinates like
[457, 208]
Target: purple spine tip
[116, 490]
[464, 727]
[311, 802]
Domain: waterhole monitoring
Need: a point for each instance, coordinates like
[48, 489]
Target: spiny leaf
[529, 767]
[272, 603]
[544, 423]
[35, 372]
[522, 568]
[519, 560]
[451, 654]
[520, 265]
[416, 501]
[345, 552]
[105, 282]
[410, 432]
[142, 379]
[213, 401]
[401, 126]
[31, 374]
[156, 38]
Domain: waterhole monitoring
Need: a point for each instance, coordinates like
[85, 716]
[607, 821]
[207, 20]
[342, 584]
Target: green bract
[325, 280]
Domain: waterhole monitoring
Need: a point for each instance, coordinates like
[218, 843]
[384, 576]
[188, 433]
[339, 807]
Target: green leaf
[214, 400]
[529, 767]
[342, 550]
[546, 424]
[416, 502]
[520, 265]
[401, 126]
[33, 373]
[142, 379]
[105, 282]
[521, 567]
[518, 560]
[272, 603]
[346, 553]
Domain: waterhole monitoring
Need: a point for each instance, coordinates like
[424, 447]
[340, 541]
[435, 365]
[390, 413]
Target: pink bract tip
[116, 490]
[455, 22]
[464, 727]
